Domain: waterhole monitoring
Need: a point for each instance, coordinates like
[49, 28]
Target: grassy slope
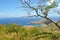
[17, 32]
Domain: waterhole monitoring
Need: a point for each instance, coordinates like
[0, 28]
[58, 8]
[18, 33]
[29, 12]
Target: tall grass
[18, 32]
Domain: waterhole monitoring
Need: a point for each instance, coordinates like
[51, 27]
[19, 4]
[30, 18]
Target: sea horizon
[23, 20]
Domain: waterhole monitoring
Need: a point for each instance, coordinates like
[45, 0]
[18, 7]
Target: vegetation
[17, 32]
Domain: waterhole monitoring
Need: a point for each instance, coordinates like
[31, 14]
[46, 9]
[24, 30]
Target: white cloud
[58, 6]
[10, 15]
[50, 2]
[53, 15]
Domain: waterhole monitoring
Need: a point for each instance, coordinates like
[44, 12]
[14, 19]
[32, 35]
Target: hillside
[18, 32]
[43, 21]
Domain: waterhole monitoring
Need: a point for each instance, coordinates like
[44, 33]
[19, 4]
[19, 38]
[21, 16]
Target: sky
[10, 8]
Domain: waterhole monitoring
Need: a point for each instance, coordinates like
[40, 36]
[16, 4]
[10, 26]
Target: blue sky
[8, 8]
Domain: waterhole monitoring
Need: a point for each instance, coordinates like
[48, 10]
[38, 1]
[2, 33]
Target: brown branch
[48, 19]
[30, 6]
[45, 13]
[53, 22]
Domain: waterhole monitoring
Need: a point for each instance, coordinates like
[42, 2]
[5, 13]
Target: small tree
[40, 9]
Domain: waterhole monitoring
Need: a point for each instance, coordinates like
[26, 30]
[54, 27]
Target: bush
[14, 27]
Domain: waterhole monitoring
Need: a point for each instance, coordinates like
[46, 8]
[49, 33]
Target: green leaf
[51, 6]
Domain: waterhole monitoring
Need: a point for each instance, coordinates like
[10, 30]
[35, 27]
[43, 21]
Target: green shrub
[14, 28]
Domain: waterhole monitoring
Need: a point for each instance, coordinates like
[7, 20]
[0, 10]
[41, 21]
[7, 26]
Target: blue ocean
[22, 20]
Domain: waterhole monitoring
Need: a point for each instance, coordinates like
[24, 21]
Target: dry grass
[50, 32]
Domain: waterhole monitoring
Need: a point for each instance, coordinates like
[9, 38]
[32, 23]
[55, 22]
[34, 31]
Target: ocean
[22, 20]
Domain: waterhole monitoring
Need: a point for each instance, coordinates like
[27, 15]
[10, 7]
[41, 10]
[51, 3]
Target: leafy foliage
[51, 6]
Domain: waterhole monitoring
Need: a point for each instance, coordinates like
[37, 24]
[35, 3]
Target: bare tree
[40, 8]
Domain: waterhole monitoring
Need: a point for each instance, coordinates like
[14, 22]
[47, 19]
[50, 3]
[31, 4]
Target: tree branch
[47, 8]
